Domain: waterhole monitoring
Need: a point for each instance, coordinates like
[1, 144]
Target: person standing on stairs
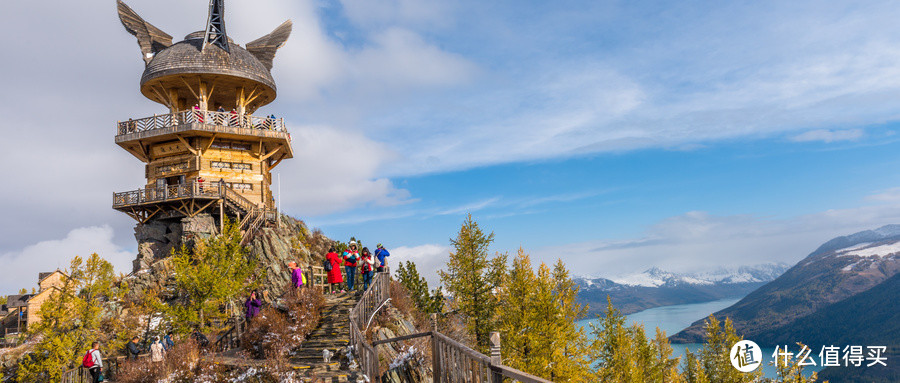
[381, 253]
[351, 255]
[334, 274]
[296, 276]
[96, 358]
[366, 267]
[252, 305]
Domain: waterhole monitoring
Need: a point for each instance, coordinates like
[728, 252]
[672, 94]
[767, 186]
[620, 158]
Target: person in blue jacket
[381, 253]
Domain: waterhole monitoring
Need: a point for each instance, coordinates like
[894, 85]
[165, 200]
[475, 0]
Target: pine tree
[212, 274]
[536, 319]
[471, 279]
[416, 286]
[515, 313]
[714, 356]
[70, 319]
[625, 354]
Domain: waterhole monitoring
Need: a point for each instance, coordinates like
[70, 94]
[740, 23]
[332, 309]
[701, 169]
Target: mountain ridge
[839, 269]
[655, 287]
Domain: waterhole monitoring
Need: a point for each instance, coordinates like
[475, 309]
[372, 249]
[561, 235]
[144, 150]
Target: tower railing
[205, 117]
[149, 194]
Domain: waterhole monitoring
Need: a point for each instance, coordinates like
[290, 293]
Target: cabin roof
[16, 301]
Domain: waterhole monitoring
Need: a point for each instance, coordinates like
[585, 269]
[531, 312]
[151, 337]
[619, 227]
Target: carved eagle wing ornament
[264, 48]
[151, 39]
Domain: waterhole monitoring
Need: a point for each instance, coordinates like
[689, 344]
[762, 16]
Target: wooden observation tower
[207, 152]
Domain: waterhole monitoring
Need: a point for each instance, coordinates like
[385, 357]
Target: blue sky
[616, 135]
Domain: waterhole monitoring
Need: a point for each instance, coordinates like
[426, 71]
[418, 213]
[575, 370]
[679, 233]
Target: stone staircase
[333, 333]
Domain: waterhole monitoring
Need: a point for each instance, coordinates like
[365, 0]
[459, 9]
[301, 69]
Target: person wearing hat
[296, 275]
[381, 253]
[351, 255]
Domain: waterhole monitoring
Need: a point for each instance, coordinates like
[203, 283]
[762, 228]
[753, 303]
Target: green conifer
[471, 278]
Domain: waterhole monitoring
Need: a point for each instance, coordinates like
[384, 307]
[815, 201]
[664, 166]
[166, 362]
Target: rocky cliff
[273, 246]
[406, 361]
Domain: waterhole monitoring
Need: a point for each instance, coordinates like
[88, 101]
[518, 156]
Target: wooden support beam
[184, 206]
[209, 145]
[147, 218]
[140, 155]
[274, 164]
[204, 207]
[251, 96]
[186, 144]
[190, 88]
[163, 99]
[265, 157]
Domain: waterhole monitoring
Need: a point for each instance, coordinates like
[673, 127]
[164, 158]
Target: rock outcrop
[273, 246]
[407, 360]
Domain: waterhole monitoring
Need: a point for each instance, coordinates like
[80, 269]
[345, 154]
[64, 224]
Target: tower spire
[215, 26]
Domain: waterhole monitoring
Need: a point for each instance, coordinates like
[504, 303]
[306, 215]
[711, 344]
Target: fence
[82, 375]
[360, 317]
[231, 338]
[225, 119]
[452, 361]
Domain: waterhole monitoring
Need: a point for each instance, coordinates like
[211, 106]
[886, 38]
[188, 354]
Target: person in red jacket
[334, 275]
[351, 255]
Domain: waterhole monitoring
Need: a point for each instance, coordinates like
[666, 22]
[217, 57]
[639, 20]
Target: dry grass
[275, 332]
[401, 300]
[180, 365]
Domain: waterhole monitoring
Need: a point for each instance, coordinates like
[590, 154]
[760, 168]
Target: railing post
[435, 351]
[496, 360]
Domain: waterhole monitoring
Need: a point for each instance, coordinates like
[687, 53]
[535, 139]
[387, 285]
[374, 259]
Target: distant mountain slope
[655, 287]
[837, 270]
[870, 318]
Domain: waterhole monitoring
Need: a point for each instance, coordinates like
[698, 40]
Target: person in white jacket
[157, 352]
[97, 358]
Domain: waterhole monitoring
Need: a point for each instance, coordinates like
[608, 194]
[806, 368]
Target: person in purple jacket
[296, 275]
[252, 305]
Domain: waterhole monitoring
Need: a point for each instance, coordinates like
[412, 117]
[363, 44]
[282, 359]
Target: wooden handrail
[226, 119]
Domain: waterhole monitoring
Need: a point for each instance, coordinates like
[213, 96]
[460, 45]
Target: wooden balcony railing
[224, 119]
[172, 192]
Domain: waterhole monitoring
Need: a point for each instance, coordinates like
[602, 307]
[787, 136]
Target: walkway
[332, 333]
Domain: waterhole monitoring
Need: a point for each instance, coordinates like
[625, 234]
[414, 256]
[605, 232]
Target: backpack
[327, 265]
[88, 360]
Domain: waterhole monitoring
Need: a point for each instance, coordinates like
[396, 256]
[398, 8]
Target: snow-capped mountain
[656, 287]
[656, 277]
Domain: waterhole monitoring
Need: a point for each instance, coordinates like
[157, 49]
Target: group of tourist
[354, 259]
[93, 359]
[233, 118]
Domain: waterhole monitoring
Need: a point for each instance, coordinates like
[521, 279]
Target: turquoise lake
[675, 318]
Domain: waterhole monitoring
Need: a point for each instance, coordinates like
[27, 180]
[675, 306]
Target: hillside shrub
[279, 329]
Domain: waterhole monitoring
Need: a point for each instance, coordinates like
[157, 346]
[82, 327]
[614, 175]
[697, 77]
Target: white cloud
[21, 267]
[889, 195]
[332, 170]
[428, 259]
[375, 13]
[829, 136]
[699, 241]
